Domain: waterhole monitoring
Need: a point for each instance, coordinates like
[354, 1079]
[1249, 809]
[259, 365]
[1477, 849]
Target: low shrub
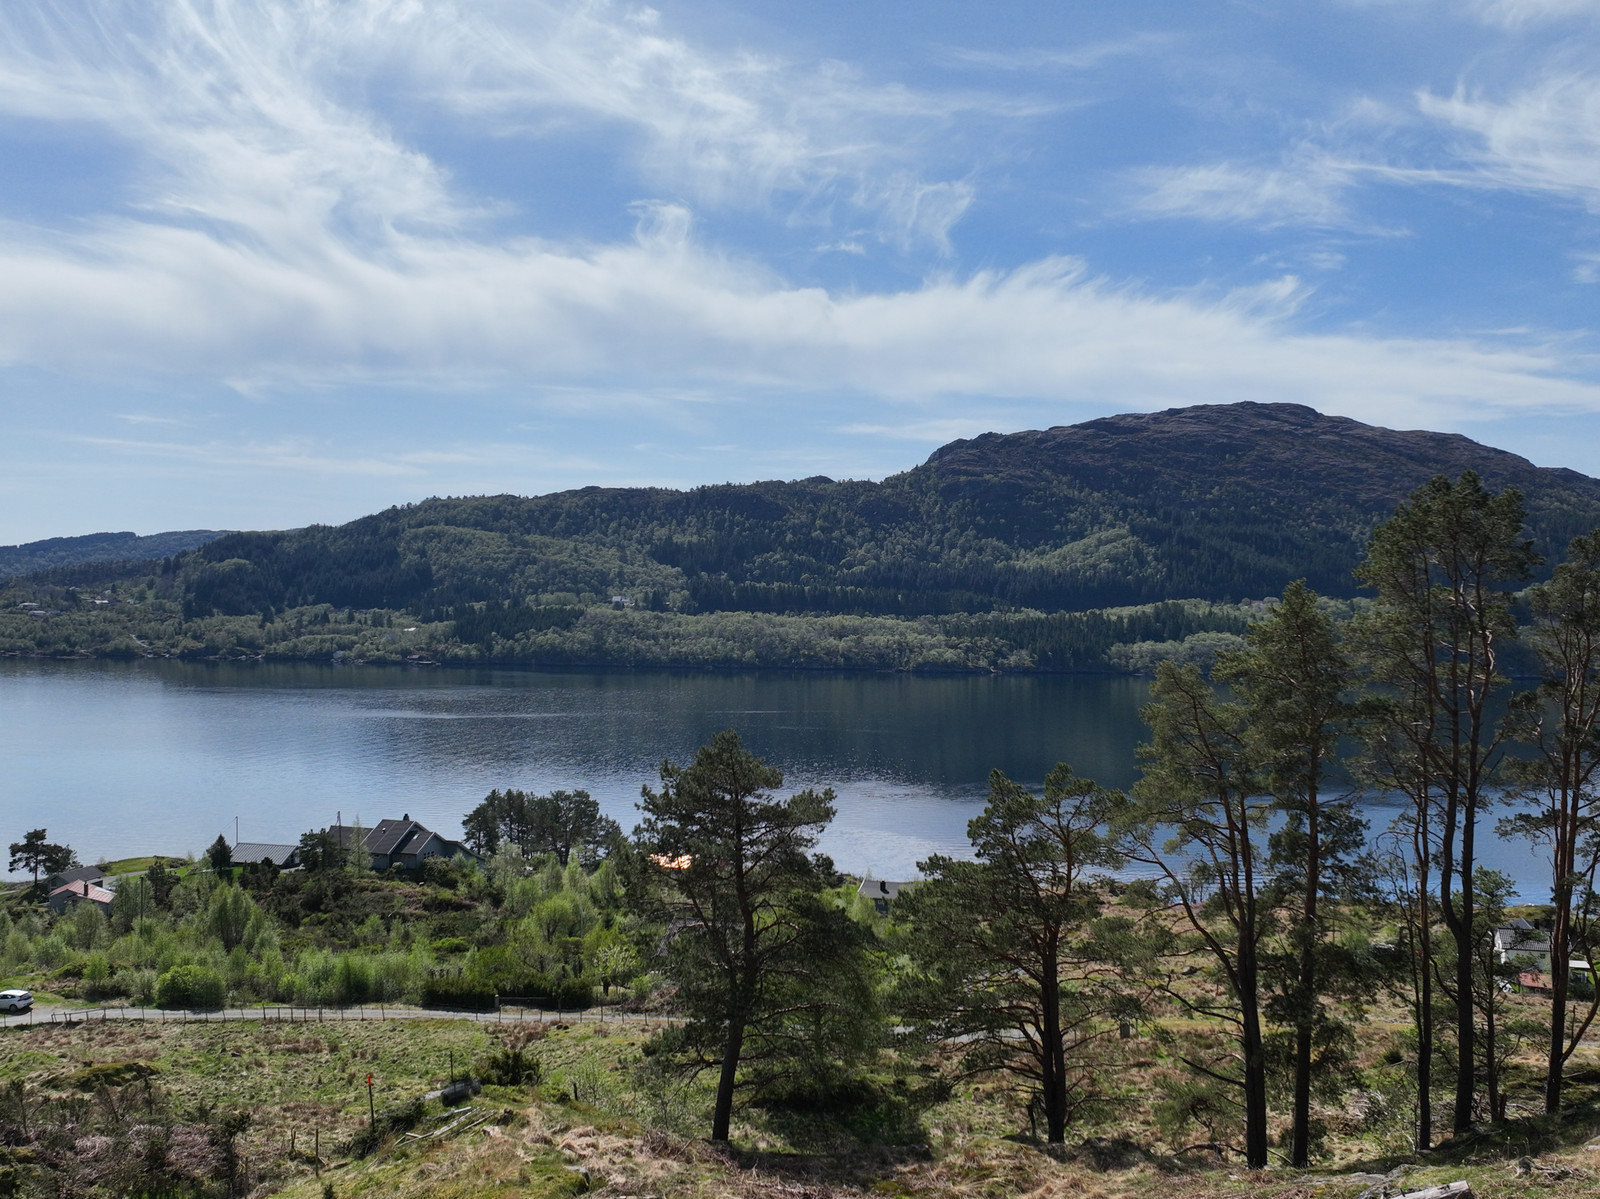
[141, 984]
[191, 987]
[564, 992]
[459, 994]
[512, 1064]
[101, 1075]
[393, 1122]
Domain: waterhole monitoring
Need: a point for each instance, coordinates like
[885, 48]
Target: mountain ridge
[1038, 549]
[29, 557]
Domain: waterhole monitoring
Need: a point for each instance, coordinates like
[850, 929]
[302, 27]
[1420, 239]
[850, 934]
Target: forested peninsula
[1104, 546]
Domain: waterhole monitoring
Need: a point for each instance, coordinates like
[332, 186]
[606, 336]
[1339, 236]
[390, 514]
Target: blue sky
[270, 262]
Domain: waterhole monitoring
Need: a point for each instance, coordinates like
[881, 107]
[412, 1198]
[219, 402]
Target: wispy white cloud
[1509, 14]
[255, 115]
[1534, 12]
[1059, 58]
[1543, 139]
[667, 314]
[733, 128]
[293, 455]
[288, 236]
[1539, 137]
[1307, 190]
[931, 432]
[671, 314]
[145, 418]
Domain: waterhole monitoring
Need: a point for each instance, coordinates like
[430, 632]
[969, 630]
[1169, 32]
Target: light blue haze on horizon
[270, 262]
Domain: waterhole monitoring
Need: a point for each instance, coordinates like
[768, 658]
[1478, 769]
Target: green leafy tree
[1561, 722]
[261, 875]
[220, 854]
[611, 957]
[191, 986]
[1003, 954]
[161, 882]
[37, 854]
[562, 823]
[320, 852]
[228, 915]
[1199, 819]
[569, 822]
[131, 902]
[1443, 567]
[494, 823]
[1292, 682]
[772, 978]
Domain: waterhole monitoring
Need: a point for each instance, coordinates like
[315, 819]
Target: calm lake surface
[119, 758]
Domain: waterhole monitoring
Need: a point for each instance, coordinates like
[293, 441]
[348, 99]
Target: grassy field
[600, 1120]
[141, 864]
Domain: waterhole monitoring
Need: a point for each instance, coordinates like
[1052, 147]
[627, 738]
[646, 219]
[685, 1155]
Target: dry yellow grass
[546, 1142]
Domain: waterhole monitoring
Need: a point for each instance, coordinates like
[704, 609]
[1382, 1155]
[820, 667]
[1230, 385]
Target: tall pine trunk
[1459, 920]
[1422, 960]
[722, 1114]
[1255, 1063]
[1300, 1117]
[1054, 1081]
[1424, 1137]
[1560, 954]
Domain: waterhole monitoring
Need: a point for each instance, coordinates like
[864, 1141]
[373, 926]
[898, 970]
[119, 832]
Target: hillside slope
[1226, 501]
[32, 556]
[1036, 550]
[1218, 503]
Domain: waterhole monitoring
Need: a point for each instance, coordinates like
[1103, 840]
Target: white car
[15, 1001]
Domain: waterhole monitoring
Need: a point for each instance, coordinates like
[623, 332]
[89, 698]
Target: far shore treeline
[1105, 546]
[1250, 959]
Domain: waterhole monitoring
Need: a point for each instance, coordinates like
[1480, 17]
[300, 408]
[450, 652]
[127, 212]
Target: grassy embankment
[601, 1119]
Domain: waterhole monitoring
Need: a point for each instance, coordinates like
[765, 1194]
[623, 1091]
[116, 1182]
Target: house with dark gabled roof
[1529, 946]
[403, 843]
[76, 874]
[881, 891]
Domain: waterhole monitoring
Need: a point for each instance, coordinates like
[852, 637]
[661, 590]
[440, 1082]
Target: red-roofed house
[79, 891]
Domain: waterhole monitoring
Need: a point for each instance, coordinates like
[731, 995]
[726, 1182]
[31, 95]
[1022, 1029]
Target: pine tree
[1198, 816]
[1004, 953]
[1293, 682]
[773, 978]
[1561, 722]
[1443, 567]
[36, 853]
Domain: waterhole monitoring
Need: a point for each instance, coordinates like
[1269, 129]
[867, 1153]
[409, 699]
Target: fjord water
[125, 758]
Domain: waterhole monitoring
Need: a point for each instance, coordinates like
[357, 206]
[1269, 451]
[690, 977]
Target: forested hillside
[96, 547]
[973, 556]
